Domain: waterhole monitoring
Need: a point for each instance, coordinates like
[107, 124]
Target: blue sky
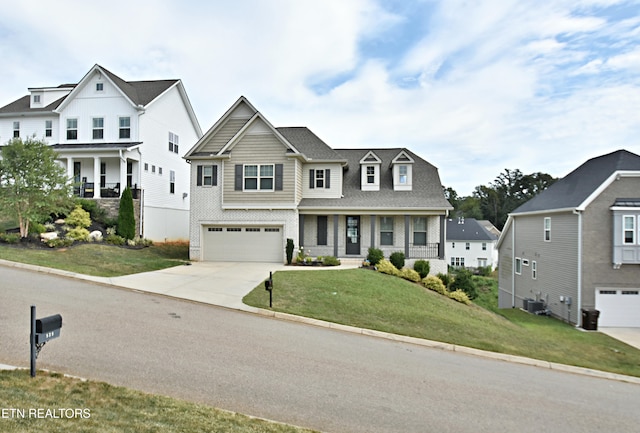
[473, 87]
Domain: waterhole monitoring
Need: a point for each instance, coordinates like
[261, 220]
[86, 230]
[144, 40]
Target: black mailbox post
[268, 286]
[42, 330]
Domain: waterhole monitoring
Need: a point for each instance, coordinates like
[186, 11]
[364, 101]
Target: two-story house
[470, 244]
[253, 186]
[110, 134]
[576, 245]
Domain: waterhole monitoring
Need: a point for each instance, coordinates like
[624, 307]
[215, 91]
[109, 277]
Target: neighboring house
[110, 134]
[470, 245]
[576, 245]
[254, 185]
[490, 227]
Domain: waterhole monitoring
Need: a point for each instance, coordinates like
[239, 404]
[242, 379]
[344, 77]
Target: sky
[473, 87]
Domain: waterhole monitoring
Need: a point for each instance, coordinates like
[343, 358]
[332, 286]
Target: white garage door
[243, 244]
[618, 307]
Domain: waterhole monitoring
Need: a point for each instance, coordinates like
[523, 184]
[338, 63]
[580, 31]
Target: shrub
[126, 218]
[10, 238]
[59, 242]
[386, 267]
[36, 228]
[96, 213]
[484, 271]
[463, 281]
[434, 283]
[397, 259]
[460, 296]
[115, 239]
[410, 274]
[374, 256]
[78, 234]
[422, 267]
[445, 278]
[289, 251]
[330, 261]
[79, 217]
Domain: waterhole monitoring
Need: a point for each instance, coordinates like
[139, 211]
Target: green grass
[368, 299]
[100, 260]
[107, 408]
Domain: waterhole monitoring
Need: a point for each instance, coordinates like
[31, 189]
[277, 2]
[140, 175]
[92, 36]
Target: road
[304, 375]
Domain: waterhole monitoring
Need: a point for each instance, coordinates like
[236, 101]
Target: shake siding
[505, 271]
[222, 136]
[259, 149]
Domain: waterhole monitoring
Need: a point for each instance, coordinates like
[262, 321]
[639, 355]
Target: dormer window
[371, 174]
[402, 166]
[36, 99]
[403, 174]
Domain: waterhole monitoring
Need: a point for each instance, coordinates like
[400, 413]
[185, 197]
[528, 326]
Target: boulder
[95, 235]
[48, 236]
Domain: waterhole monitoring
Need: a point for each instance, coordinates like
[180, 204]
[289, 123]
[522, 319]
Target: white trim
[616, 175]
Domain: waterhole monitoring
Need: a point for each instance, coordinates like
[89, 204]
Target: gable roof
[577, 188]
[468, 229]
[309, 144]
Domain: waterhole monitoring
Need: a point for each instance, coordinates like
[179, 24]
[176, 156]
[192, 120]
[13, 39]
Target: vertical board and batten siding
[259, 149]
[224, 134]
[557, 261]
[598, 271]
[505, 270]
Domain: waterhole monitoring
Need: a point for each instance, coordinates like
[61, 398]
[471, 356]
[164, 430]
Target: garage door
[618, 307]
[243, 244]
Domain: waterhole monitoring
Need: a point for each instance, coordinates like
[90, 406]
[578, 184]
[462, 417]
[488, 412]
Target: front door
[353, 235]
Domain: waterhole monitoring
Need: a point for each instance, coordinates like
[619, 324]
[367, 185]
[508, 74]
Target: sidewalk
[224, 284]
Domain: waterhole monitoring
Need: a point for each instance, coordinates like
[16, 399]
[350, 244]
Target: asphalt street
[296, 373]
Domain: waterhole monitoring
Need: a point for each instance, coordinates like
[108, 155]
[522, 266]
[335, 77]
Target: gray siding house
[253, 186]
[576, 245]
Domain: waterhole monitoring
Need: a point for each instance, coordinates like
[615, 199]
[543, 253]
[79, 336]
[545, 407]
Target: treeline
[495, 201]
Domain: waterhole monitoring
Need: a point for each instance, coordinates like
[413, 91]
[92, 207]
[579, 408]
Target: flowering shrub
[434, 283]
[460, 296]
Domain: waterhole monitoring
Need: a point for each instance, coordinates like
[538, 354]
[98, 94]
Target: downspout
[513, 263]
[579, 280]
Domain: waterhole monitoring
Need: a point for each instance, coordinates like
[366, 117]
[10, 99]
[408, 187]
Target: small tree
[32, 184]
[126, 217]
[374, 256]
[397, 259]
[463, 281]
[289, 250]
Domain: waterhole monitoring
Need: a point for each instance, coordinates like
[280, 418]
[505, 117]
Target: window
[467, 246]
[124, 127]
[518, 266]
[629, 229]
[271, 229]
[371, 172]
[525, 262]
[234, 229]
[547, 229]
[172, 182]
[160, 171]
[72, 129]
[534, 269]
[153, 169]
[130, 173]
[319, 178]
[420, 231]
[630, 292]
[322, 230]
[258, 177]
[457, 262]
[252, 229]
[207, 175]
[484, 246]
[214, 229]
[482, 262]
[146, 166]
[36, 99]
[173, 142]
[48, 128]
[99, 87]
[103, 175]
[402, 171]
[98, 128]
[453, 245]
[386, 231]
[16, 129]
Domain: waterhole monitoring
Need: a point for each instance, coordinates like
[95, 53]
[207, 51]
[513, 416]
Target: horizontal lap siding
[505, 269]
[259, 149]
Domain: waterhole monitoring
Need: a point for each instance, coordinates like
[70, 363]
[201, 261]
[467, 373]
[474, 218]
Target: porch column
[443, 236]
[123, 174]
[373, 231]
[407, 228]
[300, 231]
[335, 236]
[96, 177]
[70, 169]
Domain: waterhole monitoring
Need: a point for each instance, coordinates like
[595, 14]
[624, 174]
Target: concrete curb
[345, 328]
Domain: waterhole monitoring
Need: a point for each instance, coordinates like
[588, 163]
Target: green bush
[114, 239]
[484, 271]
[386, 267]
[445, 278]
[79, 218]
[374, 255]
[36, 228]
[397, 259]
[422, 267]
[460, 296]
[10, 238]
[78, 234]
[410, 274]
[59, 242]
[463, 281]
[96, 213]
[126, 218]
[290, 248]
[330, 261]
[434, 283]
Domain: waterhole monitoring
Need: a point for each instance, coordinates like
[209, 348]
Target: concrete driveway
[631, 336]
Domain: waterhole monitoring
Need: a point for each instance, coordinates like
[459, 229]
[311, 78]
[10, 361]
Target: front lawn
[368, 299]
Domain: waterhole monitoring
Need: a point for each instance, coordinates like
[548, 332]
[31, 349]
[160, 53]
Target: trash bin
[590, 319]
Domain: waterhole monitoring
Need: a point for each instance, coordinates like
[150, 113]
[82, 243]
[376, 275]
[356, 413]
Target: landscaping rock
[48, 236]
[95, 235]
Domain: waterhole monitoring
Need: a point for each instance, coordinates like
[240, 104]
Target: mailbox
[268, 284]
[48, 328]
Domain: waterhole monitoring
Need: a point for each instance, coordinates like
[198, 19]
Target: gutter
[513, 263]
[579, 279]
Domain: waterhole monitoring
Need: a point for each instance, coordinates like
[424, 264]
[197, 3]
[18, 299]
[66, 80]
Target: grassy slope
[372, 300]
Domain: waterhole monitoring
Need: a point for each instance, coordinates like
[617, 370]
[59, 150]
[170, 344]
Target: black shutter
[279, 168]
[322, 230]
[199, 176]
[312, 178]
[327, 178]
[238, 183]
[215, 175]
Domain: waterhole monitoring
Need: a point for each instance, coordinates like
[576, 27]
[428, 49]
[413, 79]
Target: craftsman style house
[576, 245]
[253, 186]
[110, 134]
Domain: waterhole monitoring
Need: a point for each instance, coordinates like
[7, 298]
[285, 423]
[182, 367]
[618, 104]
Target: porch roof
[95, 146]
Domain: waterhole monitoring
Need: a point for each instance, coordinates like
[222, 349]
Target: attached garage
[619, 308]
[243, 244]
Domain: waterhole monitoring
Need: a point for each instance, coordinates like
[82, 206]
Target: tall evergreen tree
[126, 217]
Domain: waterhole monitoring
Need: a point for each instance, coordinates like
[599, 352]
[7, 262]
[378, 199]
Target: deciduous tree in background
[32, 184]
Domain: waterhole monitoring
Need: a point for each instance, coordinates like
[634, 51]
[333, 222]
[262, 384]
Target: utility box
[525, 303]
[590, 319]
[535, 306]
